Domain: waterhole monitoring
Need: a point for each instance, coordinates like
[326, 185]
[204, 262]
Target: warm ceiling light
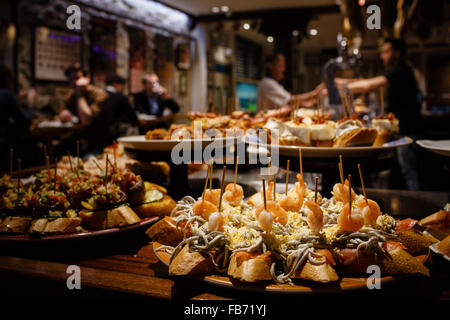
[215, 9]
[224, 8]
[270, 39]
[246, 26]
[295, 33]
[313, 32]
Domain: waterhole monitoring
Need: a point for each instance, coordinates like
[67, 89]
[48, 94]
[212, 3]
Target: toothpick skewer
[287, 175]
[274, 188]
[11, 159]
[106, 174]
[19, 173]
[344, 106]
[382, 100]
[362, 182]
[236, 170]
[47, 164]
[350, 196]
[70, 160]
[115, 151]
[222, 187]
[56, 166]
[264, 194]
[211, 175]
[78, 153]
[315, 190]
[301, 161]
[341, 169]
[206, 183]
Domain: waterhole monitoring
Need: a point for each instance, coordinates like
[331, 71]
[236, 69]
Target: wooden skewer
[382, 100]
[106, 174]
[11, 159]
[341, 169]
[344, 106]
[112, 166]
[206, 184]
[274, 188]
[350, 196]
[264, 194]
[47, 164]
[115, 156]
[315, 190]
[19, 173]
[287, 175]
[362, 182]
[211, 175]
[78, 153]
[70, 161]
[300, 161]
[236, 170]
[56, 172]
[222, 187]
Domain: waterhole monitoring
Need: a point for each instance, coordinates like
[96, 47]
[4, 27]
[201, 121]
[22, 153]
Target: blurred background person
[154, 99]
[403, 100]
[120, 109]
[271, 94]
[90, 105]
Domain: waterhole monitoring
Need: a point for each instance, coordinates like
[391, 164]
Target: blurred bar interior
[207, 55]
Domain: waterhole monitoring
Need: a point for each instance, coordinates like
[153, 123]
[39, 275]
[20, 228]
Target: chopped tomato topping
[392, 245]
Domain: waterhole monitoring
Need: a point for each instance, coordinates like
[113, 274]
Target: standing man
[154, 99]
[403, 99]
[271, 93]
[120, 108]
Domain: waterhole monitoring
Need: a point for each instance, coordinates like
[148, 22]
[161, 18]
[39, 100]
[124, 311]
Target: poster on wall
[137, 58]
[164, 57]
[54, 51]
[183, 57]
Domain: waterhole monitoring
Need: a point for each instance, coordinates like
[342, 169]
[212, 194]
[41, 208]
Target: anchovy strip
[251, 248]
[166, 249]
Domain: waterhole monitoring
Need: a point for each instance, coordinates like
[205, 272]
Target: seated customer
[120, 109]
[88, 103]
[154, 99]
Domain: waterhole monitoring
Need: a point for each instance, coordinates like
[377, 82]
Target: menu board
[54, 51]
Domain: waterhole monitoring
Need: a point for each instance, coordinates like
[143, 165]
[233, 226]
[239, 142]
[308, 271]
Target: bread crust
[15, 225]
[415, 241]
[357, 137]
[190, 262]
[319, 273]
[250, 269]
[117, 217]
[383, 137]
[158, 208]
[165, 232]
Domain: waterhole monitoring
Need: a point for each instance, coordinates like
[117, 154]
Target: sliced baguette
[415, 241]
[250, 268]
[319, 273]
[62, 226]
[38, 226]
[357, 137]
[15, 225]
[117, 217]
[165, 232]
[190, 262]
[158, 208]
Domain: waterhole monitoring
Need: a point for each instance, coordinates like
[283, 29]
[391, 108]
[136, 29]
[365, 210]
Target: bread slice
[158, 208]
[357, 137]
[250, 267]
[121, 217]
[383, 137]
[415, 241]
[38, 226]
[62, 226]
[403, 263]
[437, 223]
[15, 225]
[319, 273]
[444, 246]
[165, 232]
[190, 262]
[104, 219]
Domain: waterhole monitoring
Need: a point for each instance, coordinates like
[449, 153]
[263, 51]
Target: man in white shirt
[272, 95]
